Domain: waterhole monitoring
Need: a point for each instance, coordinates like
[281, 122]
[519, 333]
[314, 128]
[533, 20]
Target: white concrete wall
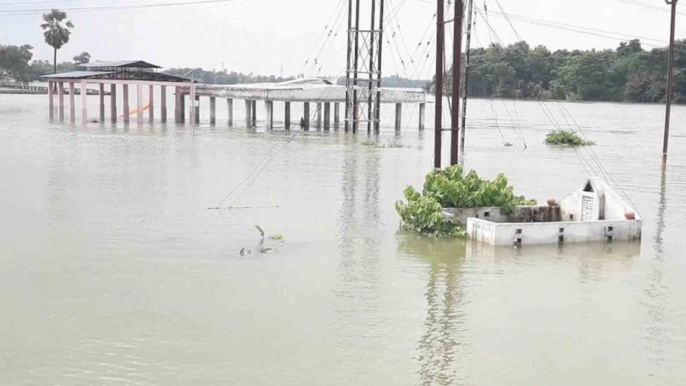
[549, 233]
[490, 213]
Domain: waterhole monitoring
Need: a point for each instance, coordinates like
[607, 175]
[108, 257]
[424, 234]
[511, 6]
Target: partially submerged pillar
[113, 102]
[229, 106]
[319, 115]
[269, 111]
[197, 109]
[182, 110]
[51, 102]
[127, 108]
[72, 107]
[101, 96]
[60, 100]
[84, 102]
[306, 116]
[422, 115]
[248, 115]
[287, 118]
[163, 103]
[139, 103]
[398, 115]
[336, 115]
[151, 103]
[213, 111]
[327, 116]
[254, 113]
[177, 104]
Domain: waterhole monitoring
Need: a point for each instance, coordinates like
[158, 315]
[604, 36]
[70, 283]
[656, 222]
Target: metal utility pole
[347, 68]
[465, 90]
[440, 43]
[457, 71]
[670, 85]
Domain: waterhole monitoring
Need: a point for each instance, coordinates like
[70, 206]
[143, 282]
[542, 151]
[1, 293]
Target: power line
[650, 6]
[568, 27]
[39, 2]
[112, 7]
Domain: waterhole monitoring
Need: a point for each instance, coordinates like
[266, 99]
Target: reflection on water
[442, 347]
[657, 293]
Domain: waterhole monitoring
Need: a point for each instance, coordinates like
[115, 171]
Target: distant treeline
[225, 77]
[627, 74]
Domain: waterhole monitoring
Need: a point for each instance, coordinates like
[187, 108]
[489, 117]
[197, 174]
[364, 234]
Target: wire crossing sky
[305, 36]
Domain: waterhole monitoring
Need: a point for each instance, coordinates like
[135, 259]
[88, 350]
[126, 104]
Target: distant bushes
[566, 138]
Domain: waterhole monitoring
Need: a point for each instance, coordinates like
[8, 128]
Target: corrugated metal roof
[120, 63]
[78, 74]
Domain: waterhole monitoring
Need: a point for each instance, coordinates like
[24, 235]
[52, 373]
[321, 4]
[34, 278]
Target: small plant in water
[261, 248]
[450, 188]
[566, 137]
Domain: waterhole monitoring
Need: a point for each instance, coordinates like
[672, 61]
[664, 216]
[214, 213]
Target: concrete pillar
[229, 106]
[101, 97]
[336, 115]
[287, 118]
[422, 115]
[51, 102]
[163, 103]
[319, 115]
[254, 113]
[213, 111]
[139, 103]
[248, 117]
[269, 111]
[113, 103]
[127, 108]
[398, 115]
[327, 116]
[72, 107]
[177, 104]
[151, 103]
[60, 100]
[84, 102]
[306, 116]
[197, 109]
[192, 109]
[182, 109]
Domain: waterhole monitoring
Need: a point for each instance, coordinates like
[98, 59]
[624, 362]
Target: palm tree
[56, 34]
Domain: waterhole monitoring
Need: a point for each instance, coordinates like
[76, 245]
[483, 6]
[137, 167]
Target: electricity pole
[440, 43]
[670, 85]
[457, 70]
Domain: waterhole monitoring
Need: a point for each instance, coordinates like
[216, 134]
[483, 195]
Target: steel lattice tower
[363, 74]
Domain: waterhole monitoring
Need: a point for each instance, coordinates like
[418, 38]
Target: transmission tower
[363, 74]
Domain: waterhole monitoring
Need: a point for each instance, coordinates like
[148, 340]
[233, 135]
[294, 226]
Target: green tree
[56, 34]
[82, 58]
[14, 61]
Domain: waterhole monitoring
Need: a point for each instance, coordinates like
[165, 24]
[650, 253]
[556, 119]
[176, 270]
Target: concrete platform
[592, 213]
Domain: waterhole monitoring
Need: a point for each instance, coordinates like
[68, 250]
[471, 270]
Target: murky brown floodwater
[113, 271]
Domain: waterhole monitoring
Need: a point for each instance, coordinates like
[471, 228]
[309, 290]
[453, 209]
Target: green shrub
[423, 213]
[566, 137]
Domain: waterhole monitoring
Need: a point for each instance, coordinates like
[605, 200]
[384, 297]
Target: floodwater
[114, 272]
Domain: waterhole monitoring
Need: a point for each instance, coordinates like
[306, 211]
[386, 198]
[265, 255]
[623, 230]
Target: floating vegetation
[566, 138]
[391, 144]
[261, 248]
[450, 188]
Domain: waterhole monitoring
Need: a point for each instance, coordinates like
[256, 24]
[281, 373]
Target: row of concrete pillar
[322, 112]
[126, 111]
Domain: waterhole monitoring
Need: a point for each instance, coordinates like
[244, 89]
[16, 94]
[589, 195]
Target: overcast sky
[264, 36]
